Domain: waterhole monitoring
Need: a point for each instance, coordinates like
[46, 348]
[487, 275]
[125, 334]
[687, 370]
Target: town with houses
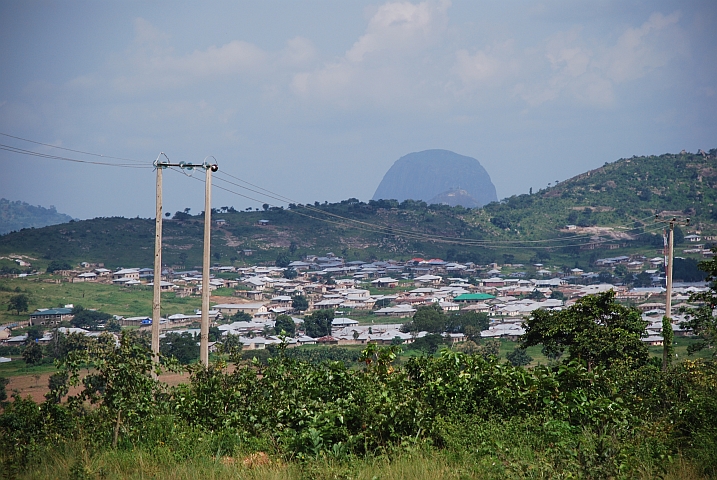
[383, 294]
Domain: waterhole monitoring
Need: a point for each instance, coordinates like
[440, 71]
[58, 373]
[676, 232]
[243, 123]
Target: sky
[315, 100]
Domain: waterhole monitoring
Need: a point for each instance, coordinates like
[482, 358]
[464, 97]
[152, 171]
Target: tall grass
[73, 462]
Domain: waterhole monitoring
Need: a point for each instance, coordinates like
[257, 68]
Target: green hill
[622, 197]
[18, 215]
[629, 189]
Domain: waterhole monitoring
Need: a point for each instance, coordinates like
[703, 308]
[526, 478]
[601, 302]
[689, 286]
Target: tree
[3, 393]
[241, 317]
[702, 320]
[558, 295]
[605, 277]
[470, 323]
[56, 265]
[491, 348]
[621, 270]
[183, 347]
[19, 303]
[283, 260]
[90, 319]
[286, 324]
[215, 334]
[536, 295]
[668, 337]
[290, 273]
[428, 343]
[34, 332]
[299, 303]
[518, 357]
[32, 354]
[596, 330]
[428, 318]
[318, 324]
[231, 344]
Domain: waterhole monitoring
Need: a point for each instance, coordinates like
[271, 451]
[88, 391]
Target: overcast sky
[315, 100]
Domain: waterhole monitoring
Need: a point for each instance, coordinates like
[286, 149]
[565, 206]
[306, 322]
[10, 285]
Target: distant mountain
[18, 215]
[436, 174]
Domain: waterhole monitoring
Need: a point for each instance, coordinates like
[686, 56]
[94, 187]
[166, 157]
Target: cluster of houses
[399, 289]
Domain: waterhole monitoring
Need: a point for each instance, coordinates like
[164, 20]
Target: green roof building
[473, 297]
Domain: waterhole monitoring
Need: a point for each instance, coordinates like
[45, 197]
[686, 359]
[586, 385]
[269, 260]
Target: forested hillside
[628, 189]
[17, 215]
[622, 196]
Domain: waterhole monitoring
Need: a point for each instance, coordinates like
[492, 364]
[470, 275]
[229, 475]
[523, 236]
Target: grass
[18, 367]
[113, 299]
[429, 464]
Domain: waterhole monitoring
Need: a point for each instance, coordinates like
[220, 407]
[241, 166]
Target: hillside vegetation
[624, 195]
[17, 215]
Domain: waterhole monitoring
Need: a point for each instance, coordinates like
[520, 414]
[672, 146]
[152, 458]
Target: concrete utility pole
[157, 276]
[156, 302]
[670, 259]
[204, 332]
[668, 274]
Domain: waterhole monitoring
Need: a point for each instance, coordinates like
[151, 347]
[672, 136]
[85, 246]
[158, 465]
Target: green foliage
[318, 324]
[34, 332]
[284, 323]
[32, 354]
[596, 330]
[56, 265]
[19, 303]
[3, 383]
[299, 303]
[183, 347]
[668, 338]
[89, 319]
[283, 260]
[428, 343]
[514, 422]
[428, 318]
[518, 357]
[318, 355]
[687, 270]
[19, 215]
[701, 320]
[241, 317]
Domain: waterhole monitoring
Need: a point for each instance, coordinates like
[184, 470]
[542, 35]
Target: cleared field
[113, 299]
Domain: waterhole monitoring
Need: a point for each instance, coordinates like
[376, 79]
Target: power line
[69, 149]
[427, 237]
[341, 220]
[394, 231]
[22, 151]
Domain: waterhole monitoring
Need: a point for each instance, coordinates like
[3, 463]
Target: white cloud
[583, 70]
[386, 63]
[402, 28]
[640, 50]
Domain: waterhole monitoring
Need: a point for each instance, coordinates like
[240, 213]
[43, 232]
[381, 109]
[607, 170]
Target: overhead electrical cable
[425, 237]
[70, 149]
[22, 151]
[340, 220]
[392, 230]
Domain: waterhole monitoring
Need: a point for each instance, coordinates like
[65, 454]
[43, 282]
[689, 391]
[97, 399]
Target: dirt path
[36, 386]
